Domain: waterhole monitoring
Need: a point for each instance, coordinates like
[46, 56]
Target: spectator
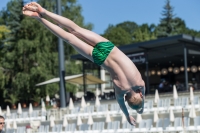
[179, 86]
[161, 85]
[2, 123]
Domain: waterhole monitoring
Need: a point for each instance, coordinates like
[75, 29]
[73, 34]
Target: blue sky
[101, 13]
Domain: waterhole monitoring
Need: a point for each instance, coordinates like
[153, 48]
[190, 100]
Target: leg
[80, 46]
[89, 36]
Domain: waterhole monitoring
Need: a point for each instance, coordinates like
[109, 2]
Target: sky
[102, 13]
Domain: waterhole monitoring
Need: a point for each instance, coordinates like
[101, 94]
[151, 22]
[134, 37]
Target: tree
[31, 53]
[121, 34]
[129, 32]
[144, 33]
[3, 31]
[129, 27]
[117, 35]
[167, 24]
[183, 29]
[171, 25]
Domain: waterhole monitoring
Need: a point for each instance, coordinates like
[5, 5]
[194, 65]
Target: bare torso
[123, 72]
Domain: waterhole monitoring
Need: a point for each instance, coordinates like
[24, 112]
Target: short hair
[1, 117]
[133, 100]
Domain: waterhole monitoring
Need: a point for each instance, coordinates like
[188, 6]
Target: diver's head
[135, 100]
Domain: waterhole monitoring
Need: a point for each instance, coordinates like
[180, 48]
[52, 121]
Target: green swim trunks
[101, 52]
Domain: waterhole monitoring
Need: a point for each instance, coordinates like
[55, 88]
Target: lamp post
[61, 64]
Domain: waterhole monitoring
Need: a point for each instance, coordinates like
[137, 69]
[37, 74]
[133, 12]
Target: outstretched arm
[75, 42]
[62, 21]
[122, 105]
[89, 36]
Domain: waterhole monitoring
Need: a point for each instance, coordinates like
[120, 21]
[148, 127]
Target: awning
[76, 79]
[89, 80]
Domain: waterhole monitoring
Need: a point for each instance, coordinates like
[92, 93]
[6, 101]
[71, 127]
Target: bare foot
[30, 13]
[33, 6]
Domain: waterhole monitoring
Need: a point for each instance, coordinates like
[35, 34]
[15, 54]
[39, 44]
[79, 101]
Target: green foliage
[31, 53]
[167, 23]
[128, 26]
[36, 98]
[171, 25]
[13, 99]
[2, 78]
[124, 32]
[3, 31]
[144, 33]
[129, 32]
[118, 35]
[191, 32]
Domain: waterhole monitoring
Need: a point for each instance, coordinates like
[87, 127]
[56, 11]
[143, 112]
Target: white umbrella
[19, 109]
[139, 118]
[171, 115]
[43, 109]
[65, 122]
[47, 98]
[191, 95]
[155, 116]
[54, 80]
[156, 96]
[14, 125]
[52, 123]
[97, 92]
[1, 113]
[192, 113]
[123, 118]
[83, 103]
[90, 120]
[71, 104]
[175, 94]
[30, 110]
[108, 119]
[97, 102]
[7, 124]
[8, 111]
[79, 121]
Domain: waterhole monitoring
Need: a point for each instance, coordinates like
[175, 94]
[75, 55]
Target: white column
[103, 86]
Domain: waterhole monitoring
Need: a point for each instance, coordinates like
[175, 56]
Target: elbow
[76, 30]
[75, 33]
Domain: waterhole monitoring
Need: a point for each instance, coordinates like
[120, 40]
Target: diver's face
[136, 100]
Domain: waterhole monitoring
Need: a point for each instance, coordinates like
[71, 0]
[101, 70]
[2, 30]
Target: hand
[131, 120]
[30, 13]
[33, 6]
